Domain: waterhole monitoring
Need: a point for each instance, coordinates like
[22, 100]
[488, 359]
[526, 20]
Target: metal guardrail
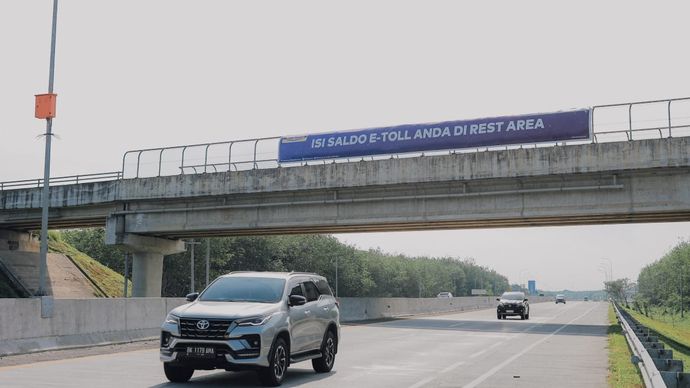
[231, 159]
[655, 362]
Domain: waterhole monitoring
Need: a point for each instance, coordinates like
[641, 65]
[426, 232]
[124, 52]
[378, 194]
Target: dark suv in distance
[262, 321]
[511, 304]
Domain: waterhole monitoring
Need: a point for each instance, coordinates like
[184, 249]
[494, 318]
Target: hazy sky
[135, 74]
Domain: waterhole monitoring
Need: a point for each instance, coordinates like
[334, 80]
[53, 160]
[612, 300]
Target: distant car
[512, 304]
[586, 299]
[560, 298]
[444, 295]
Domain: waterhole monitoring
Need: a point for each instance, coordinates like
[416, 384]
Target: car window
[324, 289]
[297, 290]
[244, 289]
[312, 293]
[513, 296]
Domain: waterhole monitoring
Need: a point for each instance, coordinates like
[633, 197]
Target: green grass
[673, 328]
[622, 372]
[108, 280]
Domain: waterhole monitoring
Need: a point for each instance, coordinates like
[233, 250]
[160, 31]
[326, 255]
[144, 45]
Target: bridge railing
[61, 180]
[612, 122]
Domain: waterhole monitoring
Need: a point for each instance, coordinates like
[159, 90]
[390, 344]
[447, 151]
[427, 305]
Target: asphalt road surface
[561, 345]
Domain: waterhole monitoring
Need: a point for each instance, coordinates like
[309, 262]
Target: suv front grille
[216, 328]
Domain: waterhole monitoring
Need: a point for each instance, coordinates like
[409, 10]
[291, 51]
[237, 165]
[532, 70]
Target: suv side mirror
[525, 300]
[498, 299]
[297, 300]
[192, 297]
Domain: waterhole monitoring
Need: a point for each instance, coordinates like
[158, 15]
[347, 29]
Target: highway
[561, 345]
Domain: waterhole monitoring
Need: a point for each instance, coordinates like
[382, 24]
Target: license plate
[200, 352]
[509, 311]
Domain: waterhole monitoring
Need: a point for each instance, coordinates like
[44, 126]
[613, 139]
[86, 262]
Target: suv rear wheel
[177, 374]
[325, 363]
[273, 375]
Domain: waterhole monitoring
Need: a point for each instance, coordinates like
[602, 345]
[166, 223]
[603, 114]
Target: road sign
[447, 135]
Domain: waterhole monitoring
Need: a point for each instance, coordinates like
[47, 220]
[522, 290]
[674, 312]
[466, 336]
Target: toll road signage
[447, 135]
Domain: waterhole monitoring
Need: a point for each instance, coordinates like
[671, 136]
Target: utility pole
[610, 267]
[208, 258]
[45, 109]
[680, 275]
[336, 276]
[124, 292]
[192, 243]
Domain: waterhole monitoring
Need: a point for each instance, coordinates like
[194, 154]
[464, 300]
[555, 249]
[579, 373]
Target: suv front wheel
[325, 363]
[177, 374]
[273, 375]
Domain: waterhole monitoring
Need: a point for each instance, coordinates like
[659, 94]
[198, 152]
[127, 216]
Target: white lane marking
[423, 382]
[79, 358]
[483, 351]
[451, 367]
[478, 353]
[500, 366]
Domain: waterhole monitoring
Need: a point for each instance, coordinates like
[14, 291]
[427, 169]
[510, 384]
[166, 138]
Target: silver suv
[253, 320]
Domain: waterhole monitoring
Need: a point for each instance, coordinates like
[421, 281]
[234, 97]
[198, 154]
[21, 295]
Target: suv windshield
[513, 296]
[244, 289]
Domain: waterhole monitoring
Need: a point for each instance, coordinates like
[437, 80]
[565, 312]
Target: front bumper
[510, 310]
[238, 351]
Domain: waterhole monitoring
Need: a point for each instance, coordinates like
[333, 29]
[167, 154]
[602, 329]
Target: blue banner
[447, 135]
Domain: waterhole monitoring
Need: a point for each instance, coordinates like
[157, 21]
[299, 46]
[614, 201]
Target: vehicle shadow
[295, 377]
[503, 326]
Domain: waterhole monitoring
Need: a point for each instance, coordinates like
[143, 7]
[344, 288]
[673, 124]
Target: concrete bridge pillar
[147, 253]
[17, 241]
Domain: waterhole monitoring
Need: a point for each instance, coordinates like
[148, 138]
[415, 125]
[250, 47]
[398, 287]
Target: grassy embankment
[674, 332]
[108, 280]
[622, 372]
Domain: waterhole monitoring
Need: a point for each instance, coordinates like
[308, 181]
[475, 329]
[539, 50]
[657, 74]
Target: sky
[133, 74]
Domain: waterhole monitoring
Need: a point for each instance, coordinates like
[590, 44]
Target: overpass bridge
[578, 184]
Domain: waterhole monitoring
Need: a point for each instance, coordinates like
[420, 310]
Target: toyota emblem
[202, 324]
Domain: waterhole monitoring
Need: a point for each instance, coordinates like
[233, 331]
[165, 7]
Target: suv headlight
[172, 319]
[254, 321]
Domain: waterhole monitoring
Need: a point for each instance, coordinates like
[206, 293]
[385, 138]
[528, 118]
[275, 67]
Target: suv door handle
[307, 312]
[325, 308]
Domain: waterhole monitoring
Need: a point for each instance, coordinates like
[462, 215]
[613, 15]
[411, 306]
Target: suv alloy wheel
[325, 363]
[177, 374]
[274, 374]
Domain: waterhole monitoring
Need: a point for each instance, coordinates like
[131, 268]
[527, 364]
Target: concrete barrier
[79, 322]
[87, 322]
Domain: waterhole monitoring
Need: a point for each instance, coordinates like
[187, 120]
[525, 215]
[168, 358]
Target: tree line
[361, 273]
[666, 282]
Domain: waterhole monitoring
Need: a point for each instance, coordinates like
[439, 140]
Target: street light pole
[680, 275]
[610, 267]
[192, 243]
[42, 265]
[208, 258]
[336, 276]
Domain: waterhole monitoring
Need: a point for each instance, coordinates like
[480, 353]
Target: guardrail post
[630, 121]
[160, 161]
[669, 118]
[184, 149]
